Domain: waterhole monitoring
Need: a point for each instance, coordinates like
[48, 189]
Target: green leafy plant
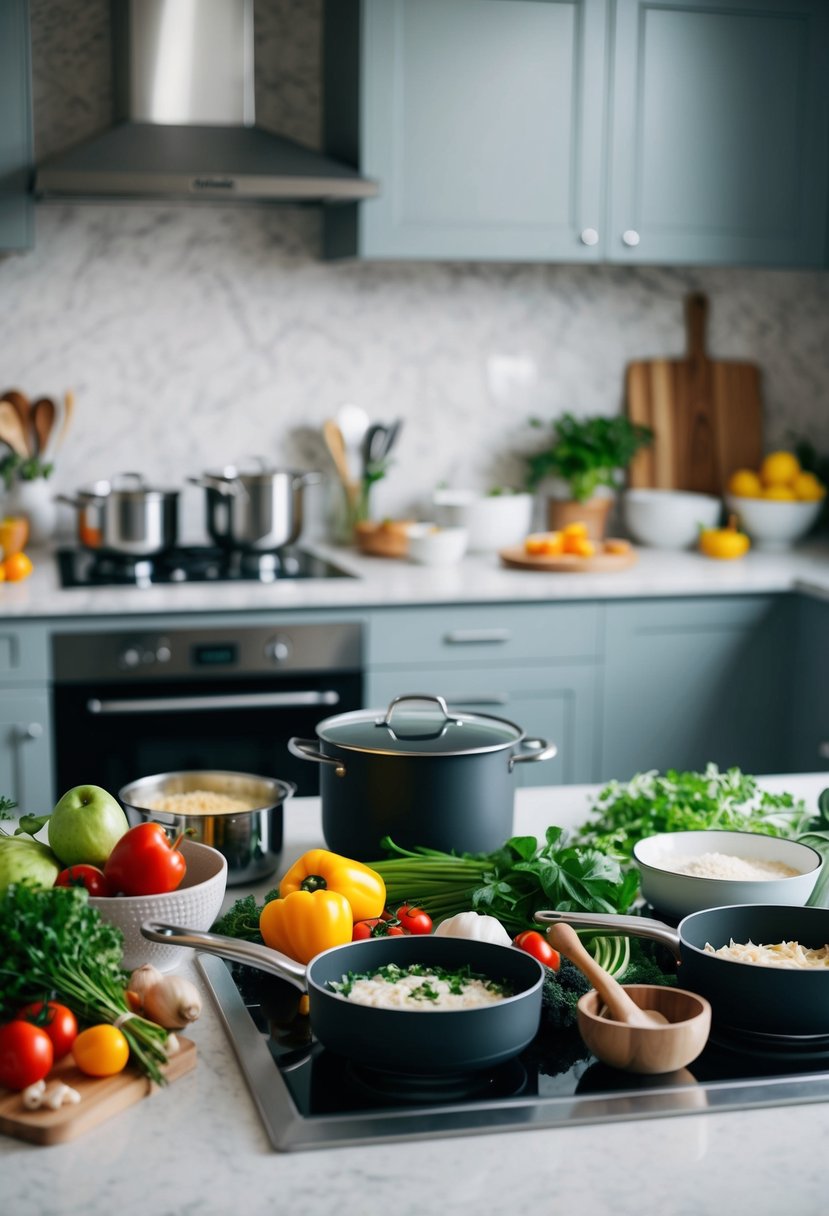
[23, 468]
[586, 452]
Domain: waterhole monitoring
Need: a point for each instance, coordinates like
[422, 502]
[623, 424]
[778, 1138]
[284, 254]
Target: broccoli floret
[560, 994]
[242, 919]
[645, 966]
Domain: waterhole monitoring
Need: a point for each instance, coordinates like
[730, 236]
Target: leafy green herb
[56, 946]
[23, 468]
[242, 919]
[587, 452]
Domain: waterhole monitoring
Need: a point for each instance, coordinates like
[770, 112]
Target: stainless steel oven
[133, 702]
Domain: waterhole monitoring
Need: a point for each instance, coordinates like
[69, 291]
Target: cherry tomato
[84, 876]
[145, 862]
[539, 948]
[26, 1054]
[413, 919]
[60, 1023]
[101, 1051]
[377, 926]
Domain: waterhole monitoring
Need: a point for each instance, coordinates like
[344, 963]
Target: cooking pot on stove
[420, 773]
[255, 508]
[125, 516]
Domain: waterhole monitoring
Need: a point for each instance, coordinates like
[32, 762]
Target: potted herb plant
[584, 461]
[27, 493]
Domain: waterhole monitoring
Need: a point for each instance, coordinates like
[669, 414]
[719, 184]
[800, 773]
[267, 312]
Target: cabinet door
[25, 751]
[720, 110]
[483, 122]
[809, 692]
[16, 228]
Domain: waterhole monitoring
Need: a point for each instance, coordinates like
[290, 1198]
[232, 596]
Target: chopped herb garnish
[391, 973]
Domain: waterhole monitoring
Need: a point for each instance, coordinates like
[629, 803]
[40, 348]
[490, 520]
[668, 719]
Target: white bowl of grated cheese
[684, 872]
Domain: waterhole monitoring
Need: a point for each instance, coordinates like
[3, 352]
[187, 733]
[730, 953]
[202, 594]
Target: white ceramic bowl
[678, 895]
[492, 521]
[668, 519]
[194, 905]
[773, 524]
[432, 545]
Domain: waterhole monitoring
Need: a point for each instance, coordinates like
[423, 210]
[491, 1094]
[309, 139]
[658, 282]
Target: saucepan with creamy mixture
[419, 1004]
[763, 967]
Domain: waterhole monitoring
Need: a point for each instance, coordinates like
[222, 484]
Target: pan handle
[251, 954]
[306, 749]
[635, 926]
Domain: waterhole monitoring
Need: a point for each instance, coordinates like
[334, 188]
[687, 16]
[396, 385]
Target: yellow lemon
[744, 483]
[808, 488]
[779, 469]
[780, 493]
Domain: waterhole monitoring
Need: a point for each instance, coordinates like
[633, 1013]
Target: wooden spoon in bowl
[43, 420]
[11, 430]
[619, 1004]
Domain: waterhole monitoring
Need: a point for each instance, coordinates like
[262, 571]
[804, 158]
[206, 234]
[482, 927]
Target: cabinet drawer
[24, 653]
[485, 634]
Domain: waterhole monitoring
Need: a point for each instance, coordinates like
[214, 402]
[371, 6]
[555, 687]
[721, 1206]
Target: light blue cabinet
[16, 149]
[808, 716]
[25, 718]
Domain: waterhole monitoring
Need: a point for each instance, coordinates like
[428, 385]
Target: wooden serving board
[101, 1098]
[518, 559]
[706, 415]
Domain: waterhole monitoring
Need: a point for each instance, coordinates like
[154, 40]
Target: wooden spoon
[21, 404]
[68, 407]
[619, 1004]
[11, 430]
[336, 446]
[43, 421]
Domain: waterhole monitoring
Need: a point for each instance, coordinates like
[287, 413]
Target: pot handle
[307, 749]
[251, 954]
[306, 479]
[538, 749]
[79, 503]
[635, 926]
[230, 487]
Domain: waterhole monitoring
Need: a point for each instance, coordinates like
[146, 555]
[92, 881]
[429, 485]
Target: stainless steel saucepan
[254, 508]
[125, 516]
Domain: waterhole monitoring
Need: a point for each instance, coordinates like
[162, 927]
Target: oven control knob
[131, 657]
[163, 653]
[278, 650]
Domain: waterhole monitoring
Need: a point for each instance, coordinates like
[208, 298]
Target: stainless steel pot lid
[419, 724]
[130, 486]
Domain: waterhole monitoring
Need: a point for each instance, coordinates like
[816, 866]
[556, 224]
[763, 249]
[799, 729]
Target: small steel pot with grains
[257, 508]
[125, 516]
[419, 773]
[238, 814]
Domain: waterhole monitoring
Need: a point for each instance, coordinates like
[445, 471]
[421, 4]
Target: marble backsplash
[197, 335]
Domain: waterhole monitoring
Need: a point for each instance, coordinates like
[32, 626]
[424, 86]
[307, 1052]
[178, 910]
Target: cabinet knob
[589, 236]
[630, 237]
[33, 730]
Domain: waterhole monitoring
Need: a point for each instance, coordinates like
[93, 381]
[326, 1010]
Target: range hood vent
[185, 129]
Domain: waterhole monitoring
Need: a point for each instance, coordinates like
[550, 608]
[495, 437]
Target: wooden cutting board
[517, 558]
[706, 415]
[101, 1098]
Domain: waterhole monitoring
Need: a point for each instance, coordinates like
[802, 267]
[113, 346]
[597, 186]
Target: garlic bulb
[476, 927]
[141, 981]
[173, 1002]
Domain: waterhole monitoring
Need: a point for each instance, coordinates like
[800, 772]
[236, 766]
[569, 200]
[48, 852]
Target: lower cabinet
[808, 709]
[26, 750]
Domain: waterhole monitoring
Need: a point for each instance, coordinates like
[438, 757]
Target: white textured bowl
[492, 521]
[195, 905]
[678, 895]
[431, 545]
[771, 523]
[669, 519]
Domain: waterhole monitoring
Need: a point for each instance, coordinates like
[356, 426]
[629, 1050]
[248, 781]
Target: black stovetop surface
[191, 564]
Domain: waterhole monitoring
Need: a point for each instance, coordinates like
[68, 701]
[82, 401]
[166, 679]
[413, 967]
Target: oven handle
[240, 700]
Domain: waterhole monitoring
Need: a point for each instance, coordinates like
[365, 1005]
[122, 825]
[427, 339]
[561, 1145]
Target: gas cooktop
[191, 564]
[308, 1097]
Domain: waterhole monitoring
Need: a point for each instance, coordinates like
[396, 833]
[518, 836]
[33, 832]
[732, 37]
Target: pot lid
[125, 486]
[419, 724]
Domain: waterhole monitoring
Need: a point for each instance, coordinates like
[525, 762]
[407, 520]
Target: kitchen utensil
[602, 562]
[397, 1040]
[101, 1098]
[22, 407]
[353, 423]
[773, 525]
[657, 1048]
[43, 422]
[68, 412]
[669, 519]
[336, 447]
[620, 1006]
[125, 516]
[11, 430]
[250, 840]
[706, 415]
[675, 895]
[419, 773]
[744, 997]
[259, 509]
[197, 901]
[493, 521]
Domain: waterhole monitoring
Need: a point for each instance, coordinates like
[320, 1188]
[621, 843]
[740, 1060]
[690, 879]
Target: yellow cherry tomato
[724, 543]
[544, 544]
[101, 1051]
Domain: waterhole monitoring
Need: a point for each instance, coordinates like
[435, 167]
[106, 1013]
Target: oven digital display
[215, 654]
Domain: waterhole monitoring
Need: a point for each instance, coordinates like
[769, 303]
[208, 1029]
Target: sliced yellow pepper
[306, 922]
[320, 870]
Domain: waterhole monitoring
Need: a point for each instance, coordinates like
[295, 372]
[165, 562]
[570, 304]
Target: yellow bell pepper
[724, 543]
[320, 870]
[306, 922]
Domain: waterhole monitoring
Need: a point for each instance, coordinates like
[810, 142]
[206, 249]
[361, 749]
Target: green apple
[86, 825]
[25, 860]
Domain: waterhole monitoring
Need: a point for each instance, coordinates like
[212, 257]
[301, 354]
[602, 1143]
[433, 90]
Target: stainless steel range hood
[185, 129]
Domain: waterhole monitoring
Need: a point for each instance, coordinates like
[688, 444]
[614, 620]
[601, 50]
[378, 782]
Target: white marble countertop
[383, 582]
[200, 1147]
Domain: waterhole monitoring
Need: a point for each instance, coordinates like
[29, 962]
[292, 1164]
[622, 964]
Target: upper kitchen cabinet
[669, 132]
[16, 154]
[481, 119]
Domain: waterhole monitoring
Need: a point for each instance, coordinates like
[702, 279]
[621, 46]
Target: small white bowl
[194, 905]
[431, 545]
[492, 521]
[774, 523]
[669, 519]
[678, 895]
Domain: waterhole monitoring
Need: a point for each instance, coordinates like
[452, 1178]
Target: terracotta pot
[593, 513]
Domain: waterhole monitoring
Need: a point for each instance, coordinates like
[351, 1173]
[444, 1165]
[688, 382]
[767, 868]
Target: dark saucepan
[436, 1041]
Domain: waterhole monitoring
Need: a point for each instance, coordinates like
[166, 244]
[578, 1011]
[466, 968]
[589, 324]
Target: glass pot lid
[419, 724]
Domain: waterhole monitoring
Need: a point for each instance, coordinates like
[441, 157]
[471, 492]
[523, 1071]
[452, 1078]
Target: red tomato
[378, 926]
[539, 948]
[414, 919]
[60, 1023]
[84, 876]
[145, 862]
[26, 1054]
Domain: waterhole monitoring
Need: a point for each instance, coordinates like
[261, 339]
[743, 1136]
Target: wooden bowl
[388, 538]
[650, 1049]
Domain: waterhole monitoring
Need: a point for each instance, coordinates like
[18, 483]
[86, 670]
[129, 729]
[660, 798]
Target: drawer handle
[472, 637]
